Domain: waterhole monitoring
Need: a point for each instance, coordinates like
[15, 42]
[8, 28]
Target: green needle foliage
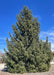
[26, 53]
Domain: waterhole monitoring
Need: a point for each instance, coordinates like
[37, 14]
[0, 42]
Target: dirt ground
[51, 72]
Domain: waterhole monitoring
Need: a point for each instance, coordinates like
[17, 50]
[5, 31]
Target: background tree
[1, 53]
[4, 58]
[25, 51]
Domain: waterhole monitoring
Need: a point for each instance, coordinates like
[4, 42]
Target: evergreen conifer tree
[25, 52]
[47, 49]
[46, 55]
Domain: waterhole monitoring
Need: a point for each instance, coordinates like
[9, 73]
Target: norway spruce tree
[25, 51]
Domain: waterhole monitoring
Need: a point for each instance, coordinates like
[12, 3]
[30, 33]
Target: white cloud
[52, 46]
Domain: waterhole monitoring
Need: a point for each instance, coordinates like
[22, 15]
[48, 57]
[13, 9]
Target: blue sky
[43, 9]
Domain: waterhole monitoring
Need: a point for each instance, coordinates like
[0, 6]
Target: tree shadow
[5, 69]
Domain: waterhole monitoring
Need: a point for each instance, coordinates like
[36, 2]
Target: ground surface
[2, 66]
[51, 72]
